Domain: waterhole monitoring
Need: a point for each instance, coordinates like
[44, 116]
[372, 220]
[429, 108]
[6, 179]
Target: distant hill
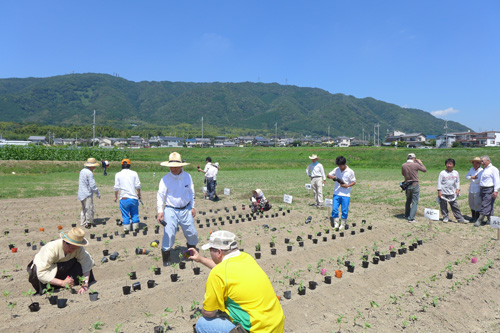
[70, 99]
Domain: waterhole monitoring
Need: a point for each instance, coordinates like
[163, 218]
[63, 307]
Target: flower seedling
[29, 293]
[341, 319]
[48, 290]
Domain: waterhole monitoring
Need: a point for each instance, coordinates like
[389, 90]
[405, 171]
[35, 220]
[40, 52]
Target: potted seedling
[48, 291]
[182, 264]
[302, 288]
[350, 268]
[93, 295]
[449, 273]
[132, 275]
[174, 276]
[289, 247]
[273, 241]
[126, 288]
[34, 306]
[61, 302]
[196, 269]
[340, 264]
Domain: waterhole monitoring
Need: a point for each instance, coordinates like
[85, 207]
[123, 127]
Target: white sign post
[431, 214]
[287, 199]
[495, 224]
[204, 189]
[329, 203]
[308, 186]
[227, 191]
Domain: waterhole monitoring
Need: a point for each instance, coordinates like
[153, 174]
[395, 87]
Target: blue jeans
[339, 200]
[211, 188]
[412, 193]
[130, 209]
[174, 217]
[206, 325]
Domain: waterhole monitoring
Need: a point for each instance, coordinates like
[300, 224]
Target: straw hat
[313, 157]
[476, 159]
[174, 160]
[75, 236]
[91, 162]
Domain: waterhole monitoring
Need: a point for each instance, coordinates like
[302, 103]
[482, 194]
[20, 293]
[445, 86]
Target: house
[5, 142]
[342, 141]
[479, 139]
[38, 140]
[219, 141]
[166, 141]
[245, 140]
[413, 140]
[262, 142]
[445, 140]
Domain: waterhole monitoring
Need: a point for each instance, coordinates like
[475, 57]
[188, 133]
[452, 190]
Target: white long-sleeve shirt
[175, 191]
[448, 182]
[316, 170]
[127, 182]
[490, 177]
[86, 184]
[474, 183]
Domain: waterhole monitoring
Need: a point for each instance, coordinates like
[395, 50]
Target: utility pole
[275, 134]
[93, 131]
[446, 133]
[202, 127]
[363, 136]
[328, 136]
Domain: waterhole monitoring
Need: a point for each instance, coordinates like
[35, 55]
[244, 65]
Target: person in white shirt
[344, 179]
[316, 172]
[86, 189]
[128, 185]
[259, 202]
[210, 172]
[489, 181]
[176, 194]
[474, 188]
[448, 188]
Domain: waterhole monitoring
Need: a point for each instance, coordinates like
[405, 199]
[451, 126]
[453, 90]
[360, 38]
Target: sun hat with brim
[126, 161]
[75, 236]
[222, 240]
[174, 160]
[313, 157]
[91, 162]
[476, 159]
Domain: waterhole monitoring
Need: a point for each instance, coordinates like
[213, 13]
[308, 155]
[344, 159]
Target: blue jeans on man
[412, 193]
[211, 188]
[130, 210]
[343, 201]
[206, 325]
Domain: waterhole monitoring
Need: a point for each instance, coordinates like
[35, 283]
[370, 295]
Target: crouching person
[60, 263]
[259, 202]
[238, 293]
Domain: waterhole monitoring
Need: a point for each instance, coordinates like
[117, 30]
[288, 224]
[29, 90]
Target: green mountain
[70, 99]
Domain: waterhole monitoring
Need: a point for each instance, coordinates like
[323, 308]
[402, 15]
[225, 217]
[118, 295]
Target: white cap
[222, 240]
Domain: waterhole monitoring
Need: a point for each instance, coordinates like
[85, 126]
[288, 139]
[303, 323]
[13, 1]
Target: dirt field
[409, 292]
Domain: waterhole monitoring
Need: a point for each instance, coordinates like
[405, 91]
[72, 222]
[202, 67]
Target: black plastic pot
[341, 234]
[420, 242]
[92, 236]
[312, 285]
[449, 275]
[196, 270]
[328, 279]
[382, 257]
[302, 291]
[353, 224]
[34, 307]
[287, 294]
[257, 255]
[370, 227]
[301, 244]
[126, 290]
[287, 240]
[151, 283]
[157, 270]
[364, 264]
[116, 233]
[33, 247]
[350, 269]
[182, 265]
[26, 230]
[271, 244]
[133, 275]
[289, 248]
[361, 230]
[292, 282]
[375, 260]
[273, 252]
[73, 225]
[377, 253]
[353, 232]
[415, 245]
[346, 226]
[411, 248]
[113, 256]
[325, 238]
[98, 238]
[174, 277]
[105, 252]
[104, 235]
[400, 251]
[334, 236]
[94, 296]
[388, 256]
[393, 254]
[159, 329]
[315, 241]
[61, 302]
[136, 286]
[53, 299]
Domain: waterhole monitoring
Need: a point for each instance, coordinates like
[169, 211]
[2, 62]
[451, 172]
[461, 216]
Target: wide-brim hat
[174, 160]
[91, 162]
[222, 240]
[476, 159]
[313, 157]
[75, 236]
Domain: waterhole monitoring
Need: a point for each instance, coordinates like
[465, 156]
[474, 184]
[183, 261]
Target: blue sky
[438, 56]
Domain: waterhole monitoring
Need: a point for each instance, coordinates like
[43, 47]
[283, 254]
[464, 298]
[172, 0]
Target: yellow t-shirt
[240, 287]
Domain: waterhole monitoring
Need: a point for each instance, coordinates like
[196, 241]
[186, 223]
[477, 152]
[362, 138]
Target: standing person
[239, 288]
[61, 261]
[474, 188]
[104, 165]
[316, 172]
[410, 170]
[210, 172]
[344, 179]
[128, 185]
[489, 181]
[448, 188]
[216, 197]
[176, 193]
[86, 189]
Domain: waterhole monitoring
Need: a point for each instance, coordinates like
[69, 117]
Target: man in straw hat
[61, 261]
[410, 170]
[86, 189]
[238, 287]
[128, 185]
[316, 172]
[489, 182]
[175, 203]
[474, 188]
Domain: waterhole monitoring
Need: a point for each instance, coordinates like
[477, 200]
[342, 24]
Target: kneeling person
[237, 286]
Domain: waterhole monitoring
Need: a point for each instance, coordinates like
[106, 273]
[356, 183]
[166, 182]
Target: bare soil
[409, 292]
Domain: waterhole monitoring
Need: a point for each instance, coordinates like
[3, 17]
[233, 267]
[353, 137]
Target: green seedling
[97, 326]
[29, 293]
[48, 290]
[341, 319]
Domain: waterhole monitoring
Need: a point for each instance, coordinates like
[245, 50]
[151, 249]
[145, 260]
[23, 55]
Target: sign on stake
[308, 186]
[227, 191]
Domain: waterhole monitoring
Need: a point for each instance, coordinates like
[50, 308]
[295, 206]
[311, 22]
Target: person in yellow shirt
[239, 288]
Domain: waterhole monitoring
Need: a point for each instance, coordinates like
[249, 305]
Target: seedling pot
[375, 260]
[449, 275]
[126, 290]
[370, 227]
[309, 236]
[151, 283]
[157, 270]
[292, 282]
[353, 232]
[273, 252]
[341, 234]
[405, 250]
[411, 248]
[136, 286]
[361, 230]
[325, 238]
[393, 254]
[289, 248]
[350, 269]
[388, 256]
[415, 245]
[158, 329]
[196, 270]
[174, 277]
[53, 300]
[301, 244]
[116, 233]
[33, 247]
[382, 257]
[377, 253]
[93, 296]
[473, 260]
[113, 256]
[347, 263]
[26, 230]
[346, 226]
[14, 250]
[133, 275]
[302, 291]
[105, 252]
[420, 242]
[34, 307]
[287, 240]
[61, 302]
[328, 279]
[287, 294]
[334, 236]
[182, 265]
[73, 225]
[315, 241]
[400, 251]
[338, 273]
[257, 255]
[364, 264]
[98, 238]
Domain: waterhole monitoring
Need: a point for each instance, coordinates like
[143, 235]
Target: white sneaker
[336, 225]
[446, 219]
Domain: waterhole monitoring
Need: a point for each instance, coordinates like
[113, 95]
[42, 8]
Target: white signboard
[495, 222]
[328, 202]
[287, 198]
[308, 186]
[227, 191]
[431, 214]
[204, 189]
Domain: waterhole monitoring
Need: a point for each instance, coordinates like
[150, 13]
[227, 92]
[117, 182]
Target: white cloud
[445, 112]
